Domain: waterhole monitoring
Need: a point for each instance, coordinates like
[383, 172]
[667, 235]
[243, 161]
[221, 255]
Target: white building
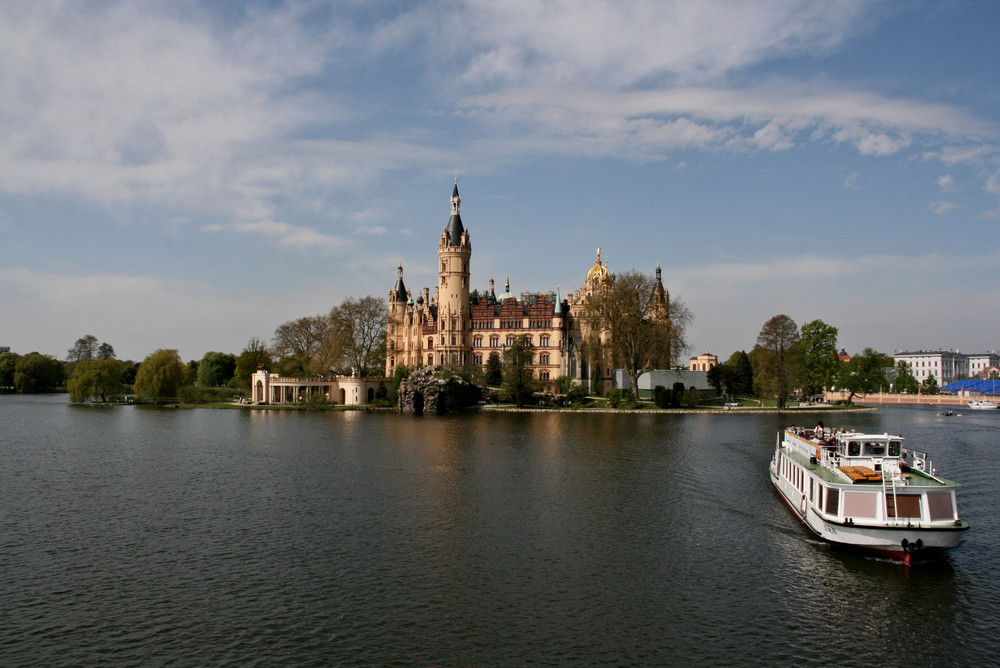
[945, 365]
[980, 362]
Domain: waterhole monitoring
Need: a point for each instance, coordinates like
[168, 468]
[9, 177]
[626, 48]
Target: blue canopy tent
[973, 386]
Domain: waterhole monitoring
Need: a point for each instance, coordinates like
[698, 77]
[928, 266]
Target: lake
[139, 536]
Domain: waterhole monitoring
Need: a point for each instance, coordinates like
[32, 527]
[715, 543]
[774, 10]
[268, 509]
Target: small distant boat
[867, 491]
[949, 413]
[982, 405]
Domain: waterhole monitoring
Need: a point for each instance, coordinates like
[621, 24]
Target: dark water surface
[133, 536]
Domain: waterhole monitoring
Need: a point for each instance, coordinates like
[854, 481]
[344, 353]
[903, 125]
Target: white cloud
[993, 184]
[851, 180]
[941, 208]
[617, 44]
[946, 182]
[284, 234]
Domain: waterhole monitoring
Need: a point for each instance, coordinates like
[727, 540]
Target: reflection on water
[132, 536]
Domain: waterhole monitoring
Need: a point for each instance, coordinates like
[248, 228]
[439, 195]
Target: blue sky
[192, 174]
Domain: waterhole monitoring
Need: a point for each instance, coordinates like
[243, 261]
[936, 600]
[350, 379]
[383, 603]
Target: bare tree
[298, 345]
[358, 333]
[85, 348]
[634, 330]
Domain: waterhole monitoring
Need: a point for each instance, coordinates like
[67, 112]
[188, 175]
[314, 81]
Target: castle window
[510, 340]
[543, 358]
[453, 341]
[494, 341]
[430, 343]
[477, 342]
[543, 341]
[478, 359]
[430, 360]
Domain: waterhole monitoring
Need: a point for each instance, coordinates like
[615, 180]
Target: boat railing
[917, 460]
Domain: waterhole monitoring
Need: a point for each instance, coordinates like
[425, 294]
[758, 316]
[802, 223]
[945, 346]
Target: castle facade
[460, 326]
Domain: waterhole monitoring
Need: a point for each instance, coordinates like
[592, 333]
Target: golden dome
[598, 272]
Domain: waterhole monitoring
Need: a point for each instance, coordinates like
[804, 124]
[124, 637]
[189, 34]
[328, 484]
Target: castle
[459, 326]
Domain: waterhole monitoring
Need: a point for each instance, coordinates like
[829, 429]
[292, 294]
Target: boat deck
[860, 475]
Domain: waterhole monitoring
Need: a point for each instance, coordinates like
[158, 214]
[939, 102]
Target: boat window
[874, 448]
[854, 449]
[832, 501]
[895, 448]
[860, 504]
[941, 506]
[902, 505]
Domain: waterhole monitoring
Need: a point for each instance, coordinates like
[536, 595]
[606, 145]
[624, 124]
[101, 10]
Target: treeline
[350, 339]
[788, 361]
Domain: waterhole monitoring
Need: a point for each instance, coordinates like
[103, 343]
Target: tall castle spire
[455, 228]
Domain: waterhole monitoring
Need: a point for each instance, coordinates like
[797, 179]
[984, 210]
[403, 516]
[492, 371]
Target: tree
[300, 346]
[742, 374]
[85, 348]
[518, 383]
[930, 386]
[906, 382]
[161, 375]
[358, 334]
[8, 364]
[402, 372]
[777, 341]
[105, 352]
[629, 325]
[863, 374]
[35, 372]
[95, 378]
[254, 356]
[819, 359]
[494, 370]
[216, 369]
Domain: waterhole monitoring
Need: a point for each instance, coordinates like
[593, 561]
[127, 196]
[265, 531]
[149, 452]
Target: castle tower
[454, 324]
[659, 307]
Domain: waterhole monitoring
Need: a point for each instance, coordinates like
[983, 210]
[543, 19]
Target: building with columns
[461, 326]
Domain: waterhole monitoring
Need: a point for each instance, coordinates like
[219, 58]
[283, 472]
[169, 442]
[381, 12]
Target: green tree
[128, 370]
[637, 332]
[35, 372]
[563, 384]
[778, 340]
[742, 374]
[254, 356]
[358, 334]
[8, 364]
[401, 373]
[95, 379]
[494, 370]
[216, 369]
[930, 386]
[863, 374]
[105, 351]
[518, 383]
[906, 382]
[161, 375]
[819, 359]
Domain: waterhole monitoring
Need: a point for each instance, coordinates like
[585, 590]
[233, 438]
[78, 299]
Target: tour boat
[982, 404]
[867, 491]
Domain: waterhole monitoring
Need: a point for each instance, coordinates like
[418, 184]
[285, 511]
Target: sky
[189, 175]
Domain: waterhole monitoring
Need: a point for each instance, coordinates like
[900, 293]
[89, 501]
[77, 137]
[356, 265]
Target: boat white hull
[904, 543]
